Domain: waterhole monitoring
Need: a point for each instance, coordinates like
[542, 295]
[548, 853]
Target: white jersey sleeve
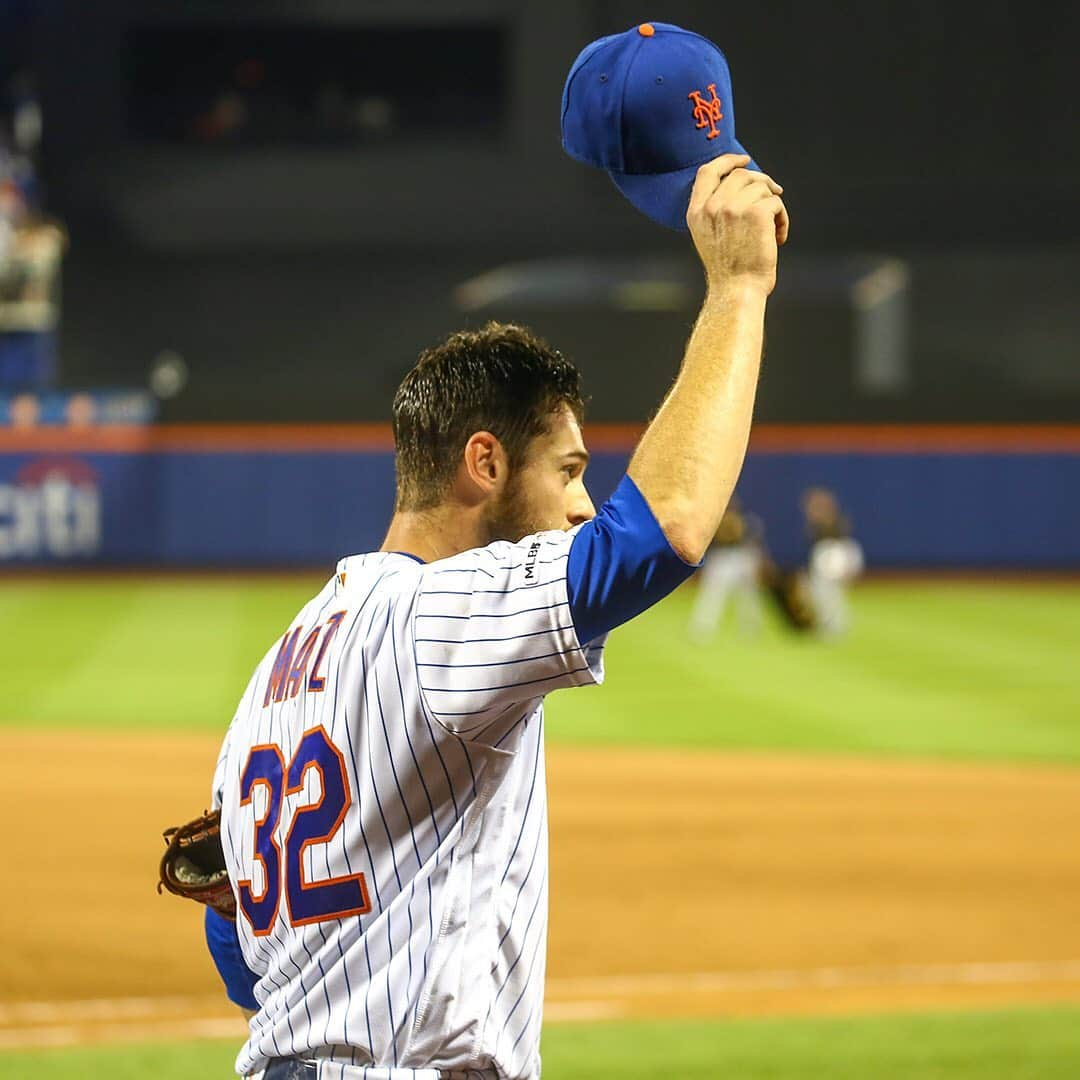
[493, 634]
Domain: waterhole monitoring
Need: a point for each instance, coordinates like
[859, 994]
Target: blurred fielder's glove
[791, 594]
[194, 864]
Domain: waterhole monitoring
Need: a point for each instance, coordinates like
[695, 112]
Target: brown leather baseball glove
[194, 864]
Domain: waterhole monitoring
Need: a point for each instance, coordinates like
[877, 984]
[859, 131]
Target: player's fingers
[742, 190]
[709, 176]
[752, 175]
[738, 191]
[757, 199]
[740, 179]
[783, 223]
[774, 206]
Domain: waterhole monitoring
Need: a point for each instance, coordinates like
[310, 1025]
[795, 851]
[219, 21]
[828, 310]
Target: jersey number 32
[314, 823]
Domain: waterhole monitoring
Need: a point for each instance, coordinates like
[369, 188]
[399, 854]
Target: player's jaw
[548, 490]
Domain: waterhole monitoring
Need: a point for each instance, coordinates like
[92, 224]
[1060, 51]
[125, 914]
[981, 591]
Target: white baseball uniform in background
[731, 571]
[384, 814]
[835, 562]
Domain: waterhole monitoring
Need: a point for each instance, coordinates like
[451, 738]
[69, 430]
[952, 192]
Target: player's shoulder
[534, 559]
[506, 557]
[374, 571]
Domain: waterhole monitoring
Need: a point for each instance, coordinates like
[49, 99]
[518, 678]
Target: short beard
[511, 518]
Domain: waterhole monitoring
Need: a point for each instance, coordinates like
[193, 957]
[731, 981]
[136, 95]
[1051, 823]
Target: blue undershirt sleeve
[620, 563]
[224, 947]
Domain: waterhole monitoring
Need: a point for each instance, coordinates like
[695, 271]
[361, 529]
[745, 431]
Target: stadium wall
[268, 496]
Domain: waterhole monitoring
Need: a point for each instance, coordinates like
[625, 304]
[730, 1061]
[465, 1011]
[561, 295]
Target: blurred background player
[732, 572]
[834, 561]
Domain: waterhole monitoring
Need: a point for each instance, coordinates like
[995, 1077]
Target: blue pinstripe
[408, 739]
[484, 725]
[494, 614]
[394, 773]
[485, 592]
[393, 858]
[528, 974]
[521, 888]
[524, 819]
[517, 960]
[500, 686]
[504, 663]
[373, 877]
[523, 719]
[485, 640]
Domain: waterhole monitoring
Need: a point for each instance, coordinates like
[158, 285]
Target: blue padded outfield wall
[172, 497]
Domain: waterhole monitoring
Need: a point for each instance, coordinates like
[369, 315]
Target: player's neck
[435, 534]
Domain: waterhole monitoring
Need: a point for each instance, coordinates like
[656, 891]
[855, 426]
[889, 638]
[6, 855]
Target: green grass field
[1019, 1044]
[959, 670]
[931, 669]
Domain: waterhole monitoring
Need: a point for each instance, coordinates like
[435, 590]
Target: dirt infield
[683, 884]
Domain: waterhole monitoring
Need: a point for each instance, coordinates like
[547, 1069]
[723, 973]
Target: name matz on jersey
[385, 817]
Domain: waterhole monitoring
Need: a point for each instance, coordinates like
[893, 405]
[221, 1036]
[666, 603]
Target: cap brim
[665, 197]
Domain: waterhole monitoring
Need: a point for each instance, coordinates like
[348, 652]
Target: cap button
[646, 29]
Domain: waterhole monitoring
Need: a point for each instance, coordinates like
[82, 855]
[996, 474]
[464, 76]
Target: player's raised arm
[498, 626]
[690, 457]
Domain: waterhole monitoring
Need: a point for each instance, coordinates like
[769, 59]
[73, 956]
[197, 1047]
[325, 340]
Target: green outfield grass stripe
[1013, 1044]
[947, 669]
[907, 680]
[948, 1046]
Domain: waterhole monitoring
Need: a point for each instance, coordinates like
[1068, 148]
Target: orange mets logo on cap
[707, 110]
[669, 92]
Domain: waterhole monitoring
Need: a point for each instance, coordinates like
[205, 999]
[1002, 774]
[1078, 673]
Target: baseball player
[732, 572]
[835, 560]
[381, 786]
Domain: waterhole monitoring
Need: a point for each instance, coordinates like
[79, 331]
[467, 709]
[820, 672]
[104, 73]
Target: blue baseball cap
[650, 106]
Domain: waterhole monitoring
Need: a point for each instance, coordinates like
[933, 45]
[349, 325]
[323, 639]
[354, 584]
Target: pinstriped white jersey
[385, 814]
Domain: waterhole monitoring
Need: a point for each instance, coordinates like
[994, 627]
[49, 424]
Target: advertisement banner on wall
[169, 499]
[50, 509]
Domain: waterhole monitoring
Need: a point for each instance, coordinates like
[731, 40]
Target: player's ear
[484, 463]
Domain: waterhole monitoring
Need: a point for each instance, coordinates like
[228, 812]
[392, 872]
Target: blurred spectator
[81, 412]
[25, 115]
[31, 248]
[25, 411]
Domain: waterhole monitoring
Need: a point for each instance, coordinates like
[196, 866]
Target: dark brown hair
[501, 378]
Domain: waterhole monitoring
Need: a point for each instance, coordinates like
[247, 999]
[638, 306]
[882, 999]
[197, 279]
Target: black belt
[290, 1069]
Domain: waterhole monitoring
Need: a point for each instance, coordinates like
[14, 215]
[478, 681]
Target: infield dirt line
[719, 982]
[113, 1009]
[595, 992]
[68, 1035]
[58, 1036]
[41, 1025]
